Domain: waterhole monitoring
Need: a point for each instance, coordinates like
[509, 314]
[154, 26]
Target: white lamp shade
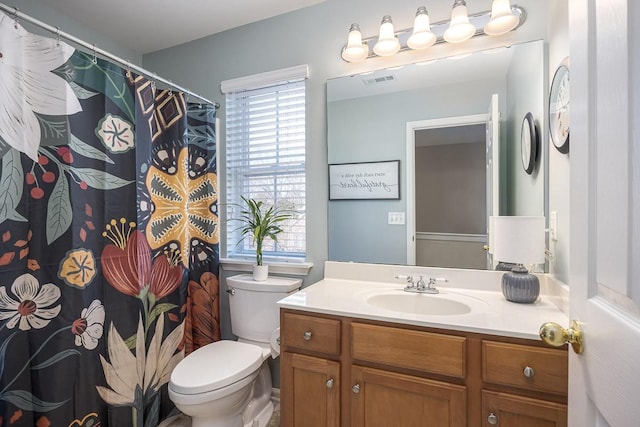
[502, 20]
[355, 50]
[422, 37]
[388, 44]
[460, 29]
[518, 239]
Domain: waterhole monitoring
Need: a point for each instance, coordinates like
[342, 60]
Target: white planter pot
[260, 272]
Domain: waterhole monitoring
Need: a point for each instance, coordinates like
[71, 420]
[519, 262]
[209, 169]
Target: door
[604, 381]
[382, 399]
[493, 167]
[310, 391]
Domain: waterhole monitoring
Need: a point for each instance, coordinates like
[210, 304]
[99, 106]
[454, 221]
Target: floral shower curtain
[108, 237]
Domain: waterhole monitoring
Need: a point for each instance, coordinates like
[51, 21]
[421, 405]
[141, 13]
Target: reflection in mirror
[372, 117]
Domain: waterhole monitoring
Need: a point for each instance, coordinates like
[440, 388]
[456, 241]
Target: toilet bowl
[228, 383]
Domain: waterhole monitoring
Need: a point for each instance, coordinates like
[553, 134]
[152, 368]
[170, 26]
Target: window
[265, 156]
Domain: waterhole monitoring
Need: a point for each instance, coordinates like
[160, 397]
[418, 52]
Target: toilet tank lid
[215, 366]
[272, 284]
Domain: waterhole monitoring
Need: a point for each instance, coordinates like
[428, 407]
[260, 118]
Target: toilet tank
[254, 312]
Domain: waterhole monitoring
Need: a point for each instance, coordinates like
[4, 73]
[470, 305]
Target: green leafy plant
[259, 223]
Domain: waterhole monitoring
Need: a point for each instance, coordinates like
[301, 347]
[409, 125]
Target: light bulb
[388, 43]
[460, 29]
[422, 36]
[502, 20]
[355, 50]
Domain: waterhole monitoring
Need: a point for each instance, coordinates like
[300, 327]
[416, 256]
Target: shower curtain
[108, 237]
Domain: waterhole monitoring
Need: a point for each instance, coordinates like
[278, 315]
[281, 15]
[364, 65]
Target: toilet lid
[214, 366]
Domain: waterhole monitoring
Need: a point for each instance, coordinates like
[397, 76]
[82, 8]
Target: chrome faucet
[420, 287]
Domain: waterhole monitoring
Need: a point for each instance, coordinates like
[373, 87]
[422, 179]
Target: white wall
[558, 44]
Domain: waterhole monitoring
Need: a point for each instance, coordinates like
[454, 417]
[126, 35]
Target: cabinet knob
[307, 336]
[492, 419]
[356, 388]
[330, 383]
[528, 372]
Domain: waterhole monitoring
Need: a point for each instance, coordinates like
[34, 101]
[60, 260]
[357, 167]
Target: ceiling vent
[381, 79]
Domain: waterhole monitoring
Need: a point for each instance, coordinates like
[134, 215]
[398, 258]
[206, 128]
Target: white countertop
[490, 312]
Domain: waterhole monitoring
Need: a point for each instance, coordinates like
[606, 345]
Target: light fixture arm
[479, 20]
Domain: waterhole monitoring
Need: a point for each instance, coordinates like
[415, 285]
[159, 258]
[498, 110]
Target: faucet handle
[405, 277]
[434, 280]
[420, 284]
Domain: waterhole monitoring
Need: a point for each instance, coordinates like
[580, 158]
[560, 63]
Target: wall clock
[559, 112]
[529, 143]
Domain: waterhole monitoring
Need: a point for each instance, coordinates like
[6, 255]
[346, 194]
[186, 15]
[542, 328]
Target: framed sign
[365, 181]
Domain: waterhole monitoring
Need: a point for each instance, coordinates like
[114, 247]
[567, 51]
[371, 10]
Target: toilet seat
[215, 366]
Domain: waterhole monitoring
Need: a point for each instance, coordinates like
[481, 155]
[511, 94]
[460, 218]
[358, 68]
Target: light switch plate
[553, 226]
[396, 218]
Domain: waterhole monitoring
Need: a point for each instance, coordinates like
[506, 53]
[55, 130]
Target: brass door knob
[556, 336]
[485, 247]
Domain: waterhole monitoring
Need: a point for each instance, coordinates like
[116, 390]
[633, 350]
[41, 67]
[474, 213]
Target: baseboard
[275, 395]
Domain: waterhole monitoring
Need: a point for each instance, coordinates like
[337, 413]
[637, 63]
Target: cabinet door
[310, 391]
[382, 399]
[508, 410]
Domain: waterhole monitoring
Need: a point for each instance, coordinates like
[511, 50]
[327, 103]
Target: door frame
[410, 173]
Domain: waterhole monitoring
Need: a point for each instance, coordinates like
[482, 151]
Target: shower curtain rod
[15, 12]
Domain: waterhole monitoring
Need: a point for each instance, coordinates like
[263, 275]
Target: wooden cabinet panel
[505, 363]
[418, 350]
[517, 411]
[390, 399]
[310, 395]
[310, 333]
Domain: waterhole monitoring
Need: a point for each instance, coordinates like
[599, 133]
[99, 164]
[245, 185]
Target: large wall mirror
[433, 117]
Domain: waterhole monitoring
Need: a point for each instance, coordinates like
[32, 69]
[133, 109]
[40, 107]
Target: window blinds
[265, 160]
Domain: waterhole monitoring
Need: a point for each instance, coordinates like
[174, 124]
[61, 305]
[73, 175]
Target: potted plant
[260, 224]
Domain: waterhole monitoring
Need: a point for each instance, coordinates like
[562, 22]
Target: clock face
[559, 109]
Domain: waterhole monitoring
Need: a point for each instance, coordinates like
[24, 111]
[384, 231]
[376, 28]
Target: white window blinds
[265, 160]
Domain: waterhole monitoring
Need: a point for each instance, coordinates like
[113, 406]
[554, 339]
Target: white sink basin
[433, 305]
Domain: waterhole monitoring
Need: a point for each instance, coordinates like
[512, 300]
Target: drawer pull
[330, 383]
[356, 388]
[307, 336]
[492, 419]
[528, 372]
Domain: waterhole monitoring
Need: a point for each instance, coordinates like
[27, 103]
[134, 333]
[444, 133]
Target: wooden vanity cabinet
[341, 371]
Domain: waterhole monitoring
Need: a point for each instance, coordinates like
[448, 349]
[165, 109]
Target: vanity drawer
[417, 350]
[311, 333]
[506, 364]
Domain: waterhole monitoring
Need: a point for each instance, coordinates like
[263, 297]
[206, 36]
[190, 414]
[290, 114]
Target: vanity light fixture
[460, 29]
[355, 50]
[501, 19]
[422, 36]
[388, 44]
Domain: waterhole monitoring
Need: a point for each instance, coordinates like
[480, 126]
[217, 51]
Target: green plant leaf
[59, 211]
[3, 351]
[158, 310]
[131, 342]
[81, 92]
[56, 358]
[87, 150]
[26, 401]
[11, 187]
[100, 180]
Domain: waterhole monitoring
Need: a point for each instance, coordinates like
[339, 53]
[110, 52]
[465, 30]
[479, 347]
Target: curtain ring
[128, 73]
[95, 55]
[16, 21]
[57, 36]
[170, 88]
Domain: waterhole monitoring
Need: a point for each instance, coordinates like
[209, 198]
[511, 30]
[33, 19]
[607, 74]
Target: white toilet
[228, 383]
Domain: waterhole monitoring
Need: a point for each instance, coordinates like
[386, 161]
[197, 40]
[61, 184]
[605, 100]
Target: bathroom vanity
[350, 360]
